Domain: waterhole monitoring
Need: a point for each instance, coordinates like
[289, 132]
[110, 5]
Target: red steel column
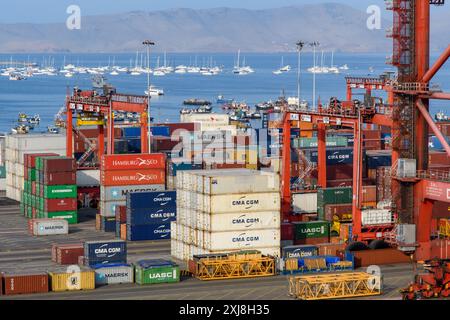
[349, 93]
[144, 133]
[422, 64]
[69, 131]
[286, 169]
[357, 182]
[101, 142]
[437, 65]
[321, 155]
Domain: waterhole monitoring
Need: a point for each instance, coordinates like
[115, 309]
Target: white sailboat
[135, 70]
[283, 68]
[154, 91]
[333, 69]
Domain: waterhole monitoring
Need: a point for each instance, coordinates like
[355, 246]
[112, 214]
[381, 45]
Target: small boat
[52, 129]
[196, 102]
[68, 75]
[114, 73]
[16, 77]
[154, 91]
[22, 118]
[253, 115]
[35, 119]
[158, 73]
[20, 129]
[222, 100]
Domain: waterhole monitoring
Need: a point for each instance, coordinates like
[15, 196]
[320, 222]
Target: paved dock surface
[21, 252]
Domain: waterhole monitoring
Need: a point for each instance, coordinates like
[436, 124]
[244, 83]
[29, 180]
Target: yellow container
[81, 280]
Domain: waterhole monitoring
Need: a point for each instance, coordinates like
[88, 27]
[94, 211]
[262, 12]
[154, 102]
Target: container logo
[163, 275]
[162, 231]
[320, 230]
[109, 252]
[244, 238]
[162, 199]
[160, 214]
[146, 177]
[146, 162]
[246, 203]
[243, 220]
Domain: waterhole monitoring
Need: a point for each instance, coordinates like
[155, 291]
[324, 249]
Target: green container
[312, 229]
[29, 212]
[22, 208]
[27, 186]
[154, 275]
[2, 172]
[339, 195]
[38, 189]
[31, 174]
[60, 192]
[70, 216]
[331, 141]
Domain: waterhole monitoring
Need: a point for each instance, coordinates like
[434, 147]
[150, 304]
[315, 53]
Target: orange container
[132, 177]
[98, 222]
[133, 161]
[369, 194]
[123, 231]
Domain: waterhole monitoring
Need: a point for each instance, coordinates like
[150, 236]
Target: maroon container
[188, 126]
[59, 165]
[1, 284]
[55, 205]
[441, 209]
[30, 160]
[25, 283]
[312, 241]
[366, 258]
[33, 187]
[438, 158]
[121, 214]
[60, 178]
[69, 254]
[287, 231]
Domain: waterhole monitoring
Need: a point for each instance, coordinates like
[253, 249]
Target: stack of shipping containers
[121, 174]
[15, 148]
[226, 210]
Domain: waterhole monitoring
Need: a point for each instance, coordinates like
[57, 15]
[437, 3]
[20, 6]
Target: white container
[238, 221]
[216, 119]
[239, 181]
[250, 239]
[37, 142]
[2, 184]
[248, 202]
[46, 227]
[88, 178]
[108, 208]
[304, 202]
[376, 217]
[114, 275]
[119, 193]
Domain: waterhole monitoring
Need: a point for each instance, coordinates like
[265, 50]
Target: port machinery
[335, 286]
[91, 108]
[244, 264]
[406, 113]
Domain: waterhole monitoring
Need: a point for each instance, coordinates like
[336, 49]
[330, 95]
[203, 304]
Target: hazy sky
[55, 10]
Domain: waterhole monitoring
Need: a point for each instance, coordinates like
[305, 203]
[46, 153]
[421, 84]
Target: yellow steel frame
[235, 267]
[444, 227]
[334, 286]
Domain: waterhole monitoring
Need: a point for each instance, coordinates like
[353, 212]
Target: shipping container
[156, 271]
[313, 229]
[56, 164]
[113, 274]
[304, 202]
[108, 224]
[81, 279]
[311, 241]
[338, 212]
[331, 141]
[237, 221]
[378, 158]
[108, 209]
[68, 254]
[88, 178]
[148, 232]
[53, 205]
[24, 283]
[365, 258]
[145, 216]
[376, 217]
[133, 162]
[300, 251]
[132, 177]
[59, 178]
[120, 193]
[153, 200]
[339, 195]
[121, 214]
[246, 202]
[100, 251]
[45, 227]
[70, 216]
[60, 192]
[287, 231]
[330, 249]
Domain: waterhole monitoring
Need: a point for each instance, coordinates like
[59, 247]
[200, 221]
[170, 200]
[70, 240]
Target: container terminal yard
[341, 200]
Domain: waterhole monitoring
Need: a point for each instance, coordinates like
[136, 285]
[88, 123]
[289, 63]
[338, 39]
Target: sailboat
[135, 71]
[333, 69]
[158, 72]
[283, 68]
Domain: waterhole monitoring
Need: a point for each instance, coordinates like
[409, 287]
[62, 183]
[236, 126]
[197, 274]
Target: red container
[330, 249]
[59, 165]
[133, 162]
[55, 205]
[33, 187]
[132, 177]
[369, 194]
[339, 183]
[312, 241]
[60, 178]
[441, 209]
[214, 166]
[339, 210]
[438, 158]
[69, 254]
[121, 214]
[160, 144]
[56, 247]
[30, 158]
[383, 178]
[25, 283]
[339, 172]
[287, 231]
[367, 258]
[187, 126]
[1, 284]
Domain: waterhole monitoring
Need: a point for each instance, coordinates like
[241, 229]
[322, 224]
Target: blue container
[102, 263]
[101, 251]
[131, 132]
[375, 161]
[154, 263]
[300, 251]
[160, 131]
[154, 200]
[175, 167]
[134, 145]
[144, 216]
[148, 232]
[108, 224]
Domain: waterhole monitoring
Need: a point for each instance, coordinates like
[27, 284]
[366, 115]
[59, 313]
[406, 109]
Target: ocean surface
[44, 95]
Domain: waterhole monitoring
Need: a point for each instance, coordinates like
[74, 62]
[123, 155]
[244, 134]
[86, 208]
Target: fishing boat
[16, 77]
[22, 118]
[53, 129]
[196, 102]
[36, 119]
[222, 100]
[20, 129]
[154, 91]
